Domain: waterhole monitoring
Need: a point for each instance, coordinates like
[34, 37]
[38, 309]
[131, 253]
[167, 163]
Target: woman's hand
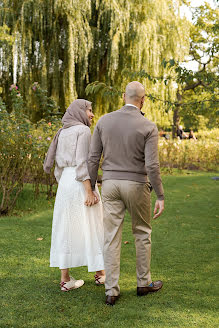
[90, 198]
[97, 198]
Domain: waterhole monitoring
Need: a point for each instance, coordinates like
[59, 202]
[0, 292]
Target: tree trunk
[176, 114]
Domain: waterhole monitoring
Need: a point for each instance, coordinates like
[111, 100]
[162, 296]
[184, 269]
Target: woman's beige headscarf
[74, 115]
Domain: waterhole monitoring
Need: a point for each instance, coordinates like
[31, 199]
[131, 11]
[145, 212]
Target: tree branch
[200, 102]
[181, 104]
[193, 86]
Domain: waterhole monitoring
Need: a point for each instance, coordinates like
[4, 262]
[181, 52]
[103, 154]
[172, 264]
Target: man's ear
[142, 102]
[123, 97]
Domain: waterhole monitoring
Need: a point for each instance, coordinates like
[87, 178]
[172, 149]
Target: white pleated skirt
[77, 230]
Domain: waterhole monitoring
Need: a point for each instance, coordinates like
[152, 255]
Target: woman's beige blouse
[72, 150]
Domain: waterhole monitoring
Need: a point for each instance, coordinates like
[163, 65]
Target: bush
[189, 154]
[22, 152]
[212, 134]
[42, 136]
[15, 157]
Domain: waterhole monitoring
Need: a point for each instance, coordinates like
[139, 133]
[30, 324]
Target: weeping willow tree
[130, 36]
[67, 44]
[51, 38]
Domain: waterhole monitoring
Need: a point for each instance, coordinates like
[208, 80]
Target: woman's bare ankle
[100, 273]
[65, 279]
[65, 275]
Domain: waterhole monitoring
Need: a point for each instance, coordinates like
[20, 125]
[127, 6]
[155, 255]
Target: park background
[55, 51]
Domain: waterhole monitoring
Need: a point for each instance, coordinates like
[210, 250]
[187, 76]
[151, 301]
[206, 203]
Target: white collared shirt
[131, 105]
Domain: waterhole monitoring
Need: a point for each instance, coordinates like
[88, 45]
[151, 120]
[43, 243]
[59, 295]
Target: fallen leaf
[40, 238]
[126, 242]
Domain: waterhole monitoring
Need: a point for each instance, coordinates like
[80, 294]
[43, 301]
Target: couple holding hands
[86, 230]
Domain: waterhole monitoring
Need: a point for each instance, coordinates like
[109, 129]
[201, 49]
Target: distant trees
[65, 45]
[192, 95]
[198, 90]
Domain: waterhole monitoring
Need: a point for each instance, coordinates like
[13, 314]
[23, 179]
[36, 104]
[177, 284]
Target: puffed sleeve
[82, 150]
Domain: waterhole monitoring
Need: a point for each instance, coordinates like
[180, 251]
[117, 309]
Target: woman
[192, 135]
[77, 230]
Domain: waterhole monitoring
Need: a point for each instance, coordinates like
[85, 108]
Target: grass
[183, 255]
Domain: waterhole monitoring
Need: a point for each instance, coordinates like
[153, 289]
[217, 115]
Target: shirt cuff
[82, 178]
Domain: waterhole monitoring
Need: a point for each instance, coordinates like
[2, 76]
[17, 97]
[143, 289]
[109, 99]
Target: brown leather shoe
[111, 300]
[141, 291]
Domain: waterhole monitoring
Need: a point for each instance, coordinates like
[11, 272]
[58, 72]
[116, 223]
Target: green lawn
[183, 256]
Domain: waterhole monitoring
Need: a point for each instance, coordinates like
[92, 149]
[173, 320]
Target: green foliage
[2, 106]
[50, 39]
[15, 150]
[44, 107]
[178, 92]
[16, 103]
[5, 37]
[198, 89]
[22, 151]
[64, 46]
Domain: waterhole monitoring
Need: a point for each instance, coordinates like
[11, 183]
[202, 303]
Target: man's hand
[158, 208]
[90, 198]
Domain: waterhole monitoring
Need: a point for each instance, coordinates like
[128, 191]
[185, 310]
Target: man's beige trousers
[117, 196]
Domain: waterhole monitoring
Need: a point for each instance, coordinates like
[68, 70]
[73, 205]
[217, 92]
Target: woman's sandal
[99, 280]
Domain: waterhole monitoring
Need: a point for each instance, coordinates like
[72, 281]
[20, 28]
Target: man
[128, 142]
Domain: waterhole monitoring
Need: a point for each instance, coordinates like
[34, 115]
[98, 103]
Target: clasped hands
[92, 198]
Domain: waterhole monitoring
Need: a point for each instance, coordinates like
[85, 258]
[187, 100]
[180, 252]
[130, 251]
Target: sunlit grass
[183, 255]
